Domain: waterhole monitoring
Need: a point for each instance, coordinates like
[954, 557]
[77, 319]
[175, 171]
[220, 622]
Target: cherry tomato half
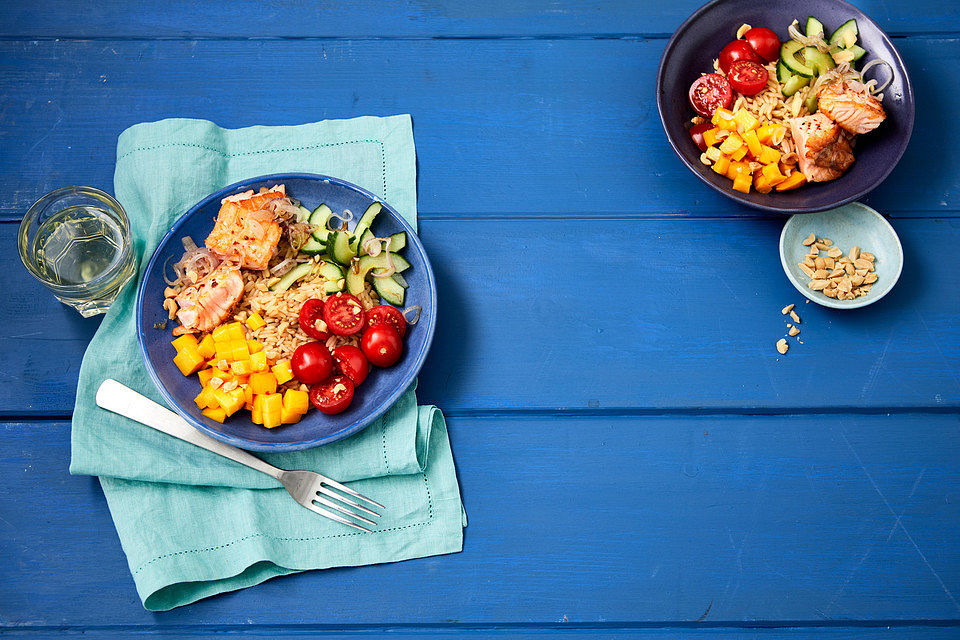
[710, 92]
[696, 132]
[312, 363]
[332, 396]
[749, 78]
[764, 42]
[382, 345]
[737, 50]
[352, 363]
[344, 314]
[385, 314]
[311, 319]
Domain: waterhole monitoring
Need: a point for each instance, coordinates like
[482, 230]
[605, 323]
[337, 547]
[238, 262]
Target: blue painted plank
[249, 18]
[587, 520]
[503, 127]
[563, 630]
[580, 315]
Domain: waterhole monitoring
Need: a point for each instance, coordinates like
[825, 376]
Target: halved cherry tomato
[749, 78]
[710, 92]
[344, 314]
[352, 363]
[385, 314]
[764, 42]
[332, 396]
[311, 315]
[382, 345]
[737, 50]
[312, 363]
[696, 132]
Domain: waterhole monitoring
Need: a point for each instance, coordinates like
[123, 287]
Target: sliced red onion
[165, 278]
[413, 311]
[372, 247]
[282, 267]
[188, 243]
[878, 61]
[391, 268]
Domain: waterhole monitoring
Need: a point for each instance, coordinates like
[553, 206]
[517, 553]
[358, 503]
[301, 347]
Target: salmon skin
[824, 150]
[204, 305]
[244, 229]
[855, 111]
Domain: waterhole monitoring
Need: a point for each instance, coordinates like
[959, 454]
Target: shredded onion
[372, 247]
[412, 311]
[169, 282]
[391, 268]
[811, 41]
[877, 61]
[282, 267]
[194, 265]
[188, 243]
[344, 218]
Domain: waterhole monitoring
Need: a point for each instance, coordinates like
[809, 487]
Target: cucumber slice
[818, 60]
[794, 84]
[811, 102]
[390, 290]
[783, 74]
[319, 218]
[363, 238]
[366, 221]
[814, 27]
[330, 270]
[312, 247]
[788, 56]
[290, 277]
[398, 241]
[304, 215]
[846, 34]
[366, 264]
[858, 52]
[338, 246]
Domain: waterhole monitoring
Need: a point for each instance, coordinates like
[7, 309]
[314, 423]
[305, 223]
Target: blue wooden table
[605, 317]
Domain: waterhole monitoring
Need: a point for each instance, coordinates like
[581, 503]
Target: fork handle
[118, 398]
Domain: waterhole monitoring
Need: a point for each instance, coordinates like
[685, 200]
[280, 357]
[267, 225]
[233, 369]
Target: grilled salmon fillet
[245, 230]
[824, 150]
[207, 303]
[855, 111]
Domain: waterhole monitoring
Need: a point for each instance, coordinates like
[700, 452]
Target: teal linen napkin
[193, 524]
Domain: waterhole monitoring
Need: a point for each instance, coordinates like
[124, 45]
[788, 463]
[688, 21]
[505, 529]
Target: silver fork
[306, 487]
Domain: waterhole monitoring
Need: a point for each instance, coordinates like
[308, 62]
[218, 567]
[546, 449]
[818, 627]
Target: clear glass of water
[76, 241]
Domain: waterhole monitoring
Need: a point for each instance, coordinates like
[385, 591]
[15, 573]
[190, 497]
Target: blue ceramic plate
[383, 386]
[698, 42]
[852, 224]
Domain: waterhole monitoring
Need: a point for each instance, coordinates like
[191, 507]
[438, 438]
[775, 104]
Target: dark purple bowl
[698, 42]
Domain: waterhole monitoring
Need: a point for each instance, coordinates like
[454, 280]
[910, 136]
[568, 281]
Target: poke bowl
[820, 48]
[221, 320]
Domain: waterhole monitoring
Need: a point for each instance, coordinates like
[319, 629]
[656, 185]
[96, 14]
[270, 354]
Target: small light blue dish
[381, 389]
[849, 225]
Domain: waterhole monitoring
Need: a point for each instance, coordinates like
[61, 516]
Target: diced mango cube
[730, 144]
[272, 407]
[224, 351]
[769, 155]
[240, 350]
[240, 367]
[738, 168]
[720, 166]
[739, 153]
[765, 132]
[220, 334]
[753, 144]
[724, 119]
[793, 181]
[743, 182]
[256, 413]
[258, 361]
[255, 321]
[187, 339]
[263, 382]
[254, 346]
[761, 183]
[712, 153]
[296, 400]
[207, 347]
[289, 417]
[247, 397]
[235, 332]
[215, 414]
[745, 120]
[710, 136]
[230, 401]
[772, 173]
[283, 371]
[206, 398]
[204, 376]
[188, 362]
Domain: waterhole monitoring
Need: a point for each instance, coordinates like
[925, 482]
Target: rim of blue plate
[778, 206]
[357, 425]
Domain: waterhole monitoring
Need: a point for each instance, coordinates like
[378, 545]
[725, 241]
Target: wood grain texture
[635, 315]
[415, 18]
[503, 127]
[581, 520]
